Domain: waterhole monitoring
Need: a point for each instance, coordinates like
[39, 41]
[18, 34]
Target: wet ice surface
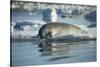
[32, 53]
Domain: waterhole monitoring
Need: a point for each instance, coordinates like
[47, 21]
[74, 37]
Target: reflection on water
[31, 53]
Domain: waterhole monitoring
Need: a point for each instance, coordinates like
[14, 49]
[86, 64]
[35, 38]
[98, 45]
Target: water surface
[32, 53]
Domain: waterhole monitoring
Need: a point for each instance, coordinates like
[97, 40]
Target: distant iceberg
[49, 15]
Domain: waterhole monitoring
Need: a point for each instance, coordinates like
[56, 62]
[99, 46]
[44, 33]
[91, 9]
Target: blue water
[29, 53]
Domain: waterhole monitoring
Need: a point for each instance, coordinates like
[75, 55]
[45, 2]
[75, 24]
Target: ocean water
[32, 53]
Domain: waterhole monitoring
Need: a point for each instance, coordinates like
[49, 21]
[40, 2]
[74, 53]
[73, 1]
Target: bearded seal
[52, 30]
